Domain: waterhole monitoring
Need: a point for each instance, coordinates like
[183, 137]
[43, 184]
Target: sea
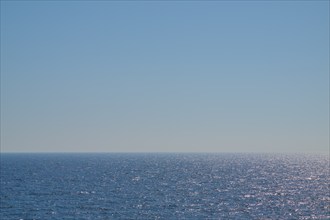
[164, 186]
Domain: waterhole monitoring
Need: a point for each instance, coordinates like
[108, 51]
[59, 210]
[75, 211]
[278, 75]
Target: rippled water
[164, 186]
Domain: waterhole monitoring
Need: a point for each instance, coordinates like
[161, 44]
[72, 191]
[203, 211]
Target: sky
[165, 76]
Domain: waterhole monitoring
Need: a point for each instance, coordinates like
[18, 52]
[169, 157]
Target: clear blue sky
[165, 76]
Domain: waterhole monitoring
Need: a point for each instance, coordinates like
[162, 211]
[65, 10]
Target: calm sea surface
[164, 186]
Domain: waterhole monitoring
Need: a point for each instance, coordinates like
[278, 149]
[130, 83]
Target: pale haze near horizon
[165, 76]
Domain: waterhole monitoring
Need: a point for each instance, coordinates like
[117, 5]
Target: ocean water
[164, 186]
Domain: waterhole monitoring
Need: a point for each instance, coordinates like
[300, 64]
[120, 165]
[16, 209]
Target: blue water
[164, 186]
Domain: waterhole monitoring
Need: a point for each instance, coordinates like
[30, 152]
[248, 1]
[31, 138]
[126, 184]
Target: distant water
[164, 186]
